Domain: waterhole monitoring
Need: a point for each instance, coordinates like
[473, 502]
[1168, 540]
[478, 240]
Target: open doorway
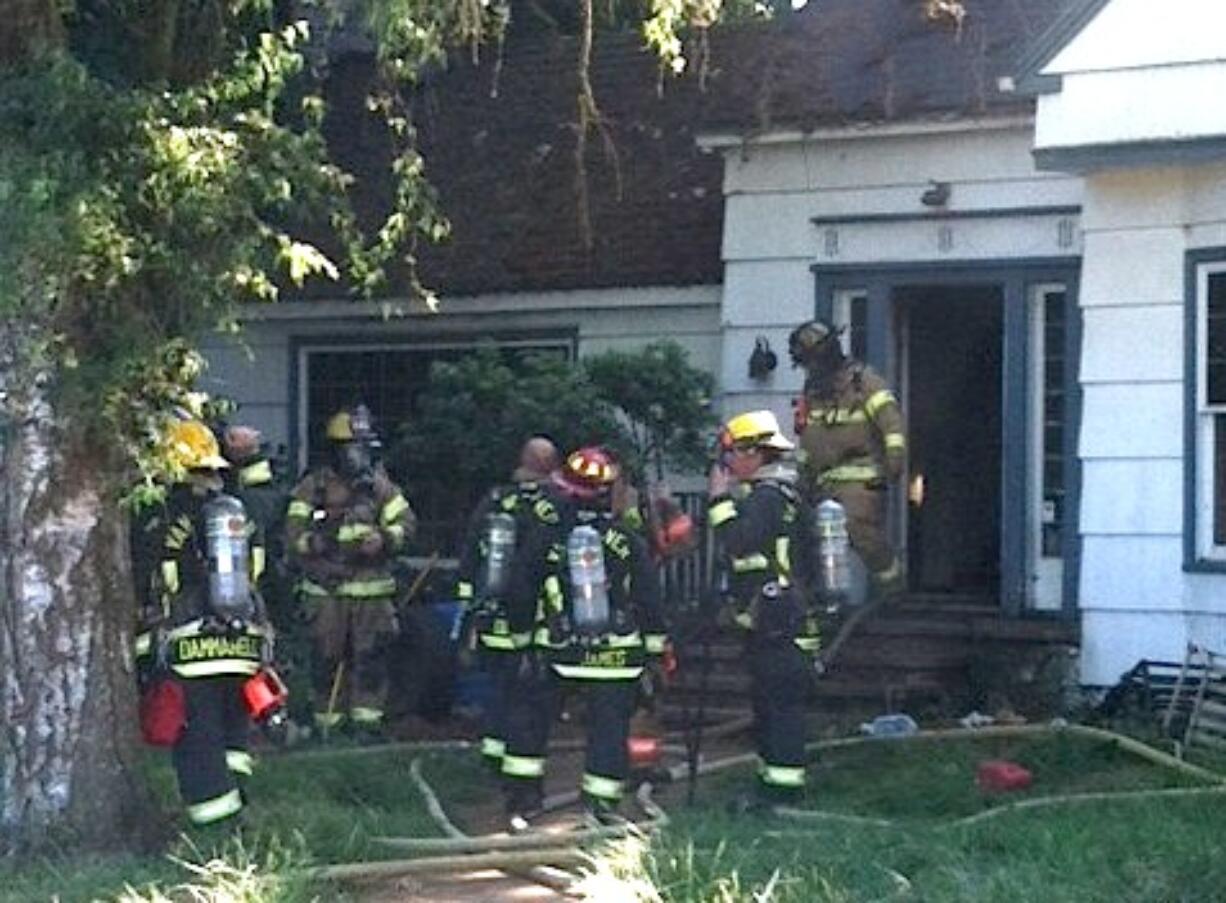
[951, 351]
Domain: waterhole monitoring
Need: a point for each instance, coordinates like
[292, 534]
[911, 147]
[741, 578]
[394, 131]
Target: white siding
[1136, 600]
[1134, 33]
[615, 318]
[776, 190]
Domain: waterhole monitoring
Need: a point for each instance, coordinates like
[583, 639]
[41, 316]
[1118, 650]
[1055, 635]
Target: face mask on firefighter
[355, 459]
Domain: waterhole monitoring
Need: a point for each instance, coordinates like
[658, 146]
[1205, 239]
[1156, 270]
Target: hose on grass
[508, 861]
[1043, 802]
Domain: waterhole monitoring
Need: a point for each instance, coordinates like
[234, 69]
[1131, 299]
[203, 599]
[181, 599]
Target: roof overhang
[1030, 78]
[860, 131]
[1084, 158]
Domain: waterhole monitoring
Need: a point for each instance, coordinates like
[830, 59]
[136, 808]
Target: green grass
[1147, 850]
[310, 808]
[305, 808]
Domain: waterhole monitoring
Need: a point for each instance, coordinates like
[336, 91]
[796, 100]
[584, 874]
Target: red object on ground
[163, 713]
[644, 751]
[1001, 776]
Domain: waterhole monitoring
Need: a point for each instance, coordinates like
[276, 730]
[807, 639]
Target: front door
[950, 367]
[984, 361]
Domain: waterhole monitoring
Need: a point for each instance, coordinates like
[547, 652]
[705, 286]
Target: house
[1018, 218]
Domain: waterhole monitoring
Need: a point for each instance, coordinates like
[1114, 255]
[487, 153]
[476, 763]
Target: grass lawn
[313, 808]
[305, 808]
[1153, 850]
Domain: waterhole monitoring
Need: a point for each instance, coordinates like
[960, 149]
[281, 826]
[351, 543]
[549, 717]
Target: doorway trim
[1016, 277]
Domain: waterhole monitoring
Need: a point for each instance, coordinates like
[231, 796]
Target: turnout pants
[349, 671]
[782, 680]
[211, 757]
[866, 528]
[532, 705]
[500, 667]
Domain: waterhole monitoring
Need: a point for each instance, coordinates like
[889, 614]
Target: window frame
[1200, 552]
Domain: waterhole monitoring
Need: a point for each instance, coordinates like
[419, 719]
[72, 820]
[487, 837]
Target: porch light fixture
[762, 360]
[937, 195]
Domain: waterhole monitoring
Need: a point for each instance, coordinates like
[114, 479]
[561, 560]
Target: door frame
[1017, 279]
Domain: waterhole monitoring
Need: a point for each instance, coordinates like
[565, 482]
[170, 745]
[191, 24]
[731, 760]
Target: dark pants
[531, 707]
[499, 666]
[211, 756]
[782, 681]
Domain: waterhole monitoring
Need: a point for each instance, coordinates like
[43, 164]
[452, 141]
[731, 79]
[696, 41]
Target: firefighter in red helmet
[584, 604]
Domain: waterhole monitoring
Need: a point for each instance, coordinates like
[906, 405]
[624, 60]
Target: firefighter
[584, 598]
[211, 633]
[854, 442]
[484, 569]
[766, 534]
[345, 523]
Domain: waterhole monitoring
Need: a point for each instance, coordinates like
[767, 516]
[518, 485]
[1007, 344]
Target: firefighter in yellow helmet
[345, 523]
[206, 624]
[854, 440]
[764, 528]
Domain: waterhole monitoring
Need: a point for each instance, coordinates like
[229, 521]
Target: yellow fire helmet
[191, 445]
[351, 426]
[758, 428]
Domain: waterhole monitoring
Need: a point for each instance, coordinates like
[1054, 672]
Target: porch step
[911, 655]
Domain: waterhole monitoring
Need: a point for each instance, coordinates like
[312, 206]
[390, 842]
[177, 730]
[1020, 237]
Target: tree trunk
[68, 737]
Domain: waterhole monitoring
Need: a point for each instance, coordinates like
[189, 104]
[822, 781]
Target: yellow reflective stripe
[879, 400]
[783, 559]
[258, 561]
[893, 572]
[396, 506]
[746, 563]
[311, 588]
[655, 643]
[395, 532]
[894, 441]
[255, 474]
[365, 715]
[215, 809]
[354, 532]
[498, 641]
[553, 592]
[602, 787]
[523, 766]
[328, 719]
[583, 672]
[850, 473]
[837, 415]
[144, 643]
[721, 512]
[522, 640]
[298, 509]
[808, 643]
[633, 518]
[493, 748]
[743, 619]
[170, 576]
[302, 545]
[620, 641]
[240, 761]
[782, 775]
[464, 590]
[217, 667]
[367, 589]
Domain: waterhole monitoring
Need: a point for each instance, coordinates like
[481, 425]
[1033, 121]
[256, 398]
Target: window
[850, 311]
[1210, 411]
[388, 379]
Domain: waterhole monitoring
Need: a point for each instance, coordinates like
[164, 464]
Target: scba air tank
[227, 545]
[588, 581]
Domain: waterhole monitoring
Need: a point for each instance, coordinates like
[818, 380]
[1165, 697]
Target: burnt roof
[498, 136]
